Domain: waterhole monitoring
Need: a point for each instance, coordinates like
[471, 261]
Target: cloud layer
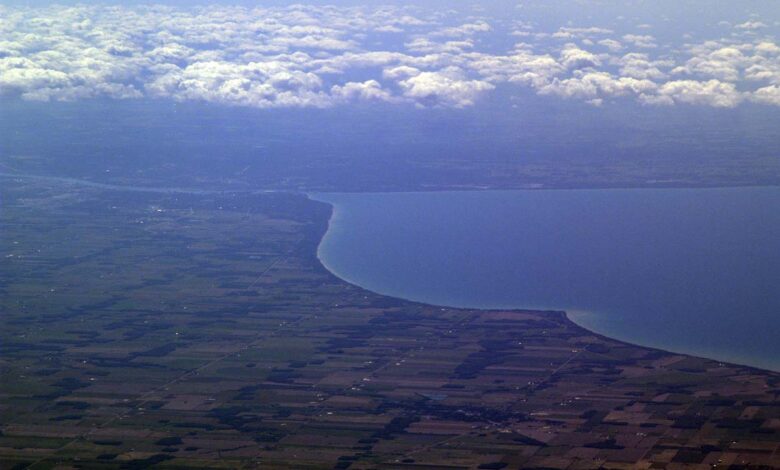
[309, 56]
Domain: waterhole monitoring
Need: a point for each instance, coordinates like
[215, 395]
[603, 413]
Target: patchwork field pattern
[181, 330]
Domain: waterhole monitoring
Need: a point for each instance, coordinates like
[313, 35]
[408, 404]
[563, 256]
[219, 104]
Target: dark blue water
[689, 270]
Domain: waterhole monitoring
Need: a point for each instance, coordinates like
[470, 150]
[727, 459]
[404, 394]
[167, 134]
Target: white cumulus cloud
[447, 87]
[317, 56]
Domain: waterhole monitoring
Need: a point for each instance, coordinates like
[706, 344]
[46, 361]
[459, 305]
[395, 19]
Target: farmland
[186, 330]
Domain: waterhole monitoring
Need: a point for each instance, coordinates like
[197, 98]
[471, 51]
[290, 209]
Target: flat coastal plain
[177, 330]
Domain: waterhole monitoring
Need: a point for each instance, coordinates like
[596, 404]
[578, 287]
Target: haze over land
[361, 96]
[163, 304]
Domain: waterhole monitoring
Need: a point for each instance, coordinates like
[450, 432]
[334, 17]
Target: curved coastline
[334, 213]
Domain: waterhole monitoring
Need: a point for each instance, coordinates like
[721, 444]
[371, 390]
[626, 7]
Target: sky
[266, 55]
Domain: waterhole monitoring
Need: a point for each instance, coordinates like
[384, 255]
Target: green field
[200, 331]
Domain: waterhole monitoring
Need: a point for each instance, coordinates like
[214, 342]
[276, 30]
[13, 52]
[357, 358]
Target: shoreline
[237, 330]
[562, 312]
[333, 211]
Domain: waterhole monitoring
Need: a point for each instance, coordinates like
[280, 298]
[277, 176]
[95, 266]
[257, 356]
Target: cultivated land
[200, 331]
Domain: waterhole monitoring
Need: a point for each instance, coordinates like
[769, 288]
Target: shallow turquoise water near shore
[689, 270]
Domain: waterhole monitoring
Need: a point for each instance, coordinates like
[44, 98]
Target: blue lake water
[689, 270]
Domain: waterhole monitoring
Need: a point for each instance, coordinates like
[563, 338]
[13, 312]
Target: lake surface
[689, 270]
